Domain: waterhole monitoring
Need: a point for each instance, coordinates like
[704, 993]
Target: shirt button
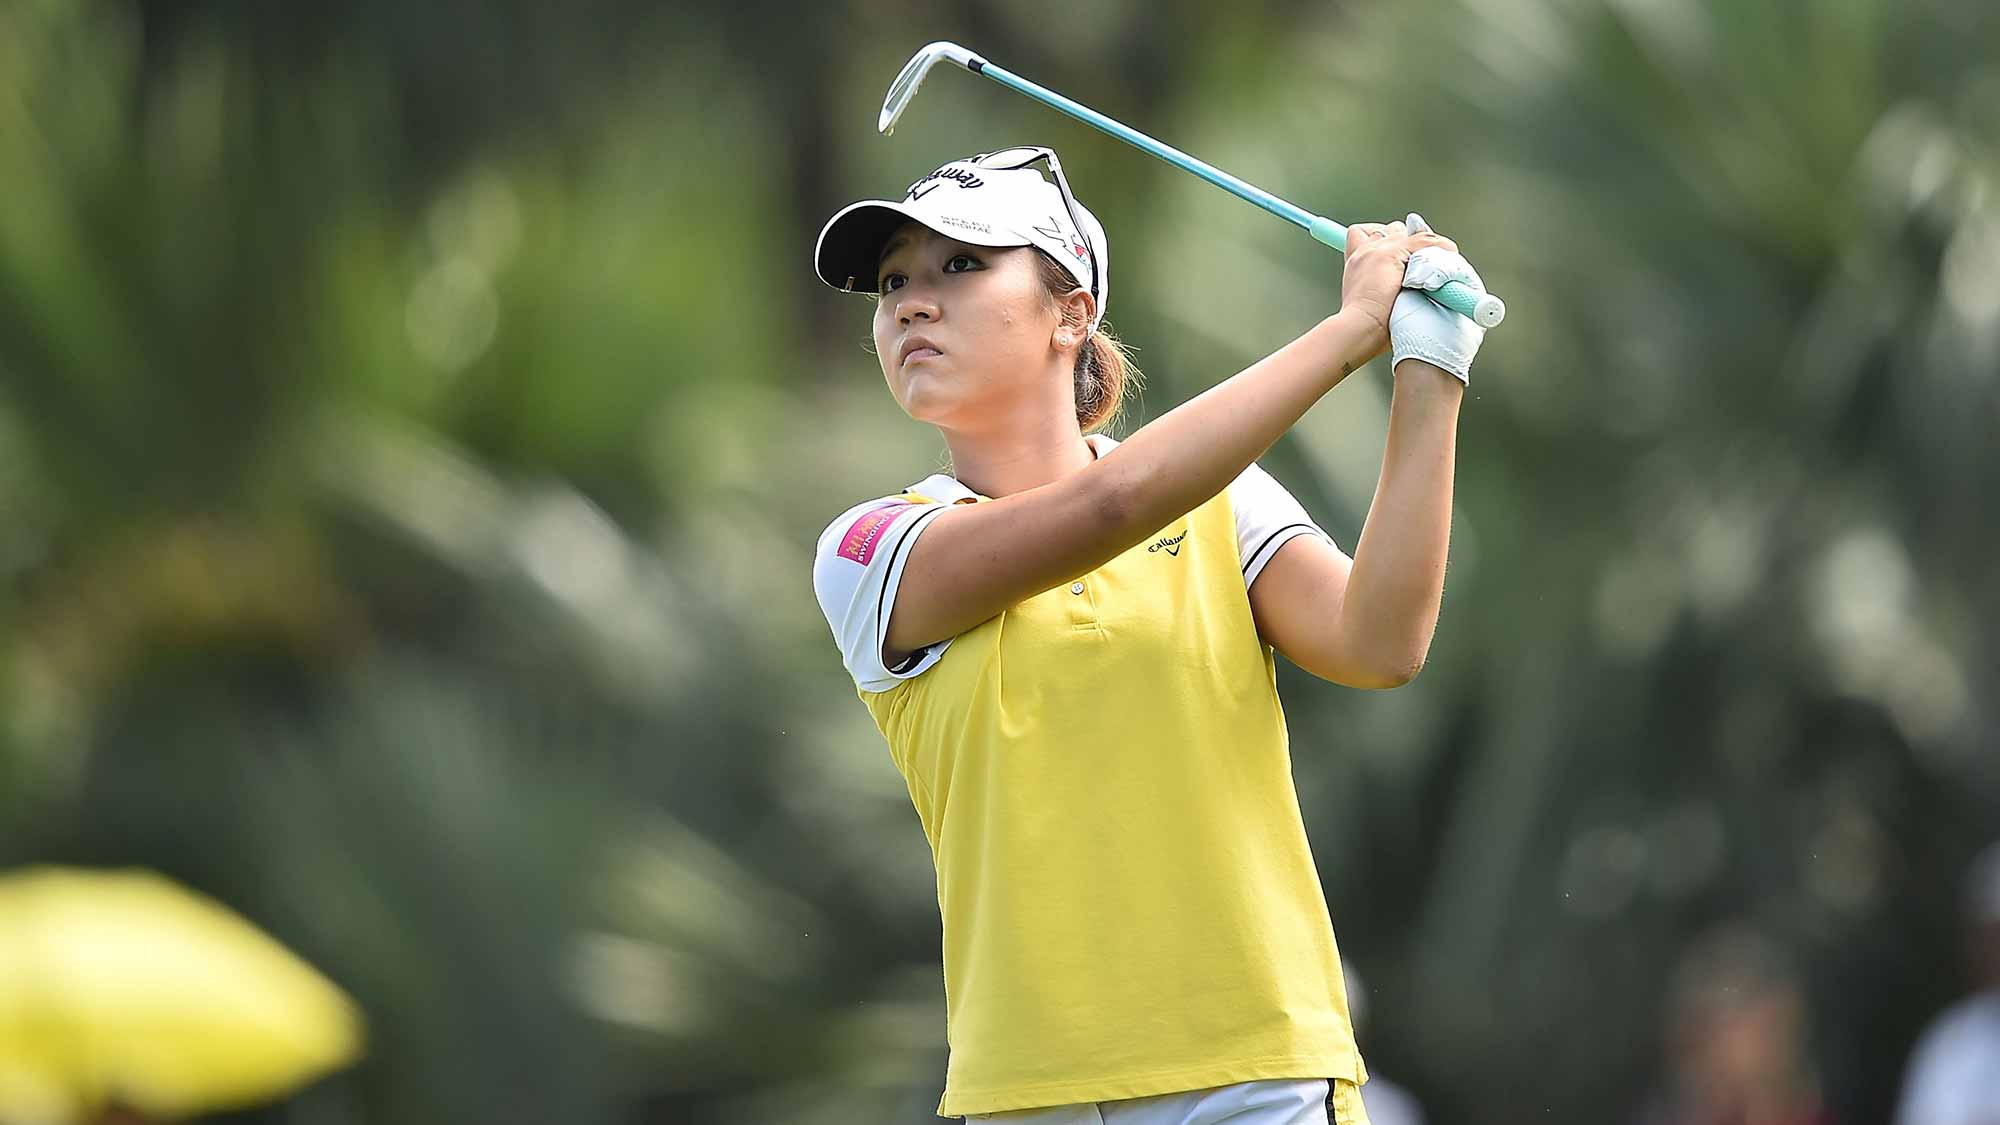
[1076, 587]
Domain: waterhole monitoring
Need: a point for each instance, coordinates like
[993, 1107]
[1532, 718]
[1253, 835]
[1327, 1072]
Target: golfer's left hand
[1420, 328]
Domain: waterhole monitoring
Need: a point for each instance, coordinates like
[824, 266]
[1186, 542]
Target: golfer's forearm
[1180, 459]
[1390, 609]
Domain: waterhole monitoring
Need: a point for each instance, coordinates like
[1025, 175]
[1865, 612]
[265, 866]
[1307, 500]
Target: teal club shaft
[1288, 211]
[1484, 309]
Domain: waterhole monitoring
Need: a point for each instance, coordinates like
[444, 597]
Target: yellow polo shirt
[1129, 901]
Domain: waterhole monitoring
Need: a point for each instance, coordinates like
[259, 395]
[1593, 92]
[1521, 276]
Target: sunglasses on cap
[1008, 159]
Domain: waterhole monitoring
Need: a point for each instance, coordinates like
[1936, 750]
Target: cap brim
[850, 245]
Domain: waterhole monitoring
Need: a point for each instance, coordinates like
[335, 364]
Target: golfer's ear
[1076, 312]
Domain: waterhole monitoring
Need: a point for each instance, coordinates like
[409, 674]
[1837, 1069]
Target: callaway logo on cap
[976, 203]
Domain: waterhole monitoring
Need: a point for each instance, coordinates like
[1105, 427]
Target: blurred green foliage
[414, 423]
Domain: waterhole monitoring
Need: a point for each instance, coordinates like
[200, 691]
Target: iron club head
[905, 86]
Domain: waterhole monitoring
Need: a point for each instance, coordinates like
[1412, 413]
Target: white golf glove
[1420, 328]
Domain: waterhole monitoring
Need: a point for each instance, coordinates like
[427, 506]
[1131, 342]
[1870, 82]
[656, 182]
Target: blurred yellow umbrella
[122, 987]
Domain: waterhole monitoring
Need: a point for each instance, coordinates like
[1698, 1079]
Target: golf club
[1485, 309]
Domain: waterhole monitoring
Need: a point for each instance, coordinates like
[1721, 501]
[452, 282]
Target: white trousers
[1282, 1101]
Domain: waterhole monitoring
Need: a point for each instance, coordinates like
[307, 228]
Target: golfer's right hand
[1373, 275]
[1420, 328]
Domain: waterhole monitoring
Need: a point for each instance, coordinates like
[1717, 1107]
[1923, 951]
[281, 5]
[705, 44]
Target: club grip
[1484, 309]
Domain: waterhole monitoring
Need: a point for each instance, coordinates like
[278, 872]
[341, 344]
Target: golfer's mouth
[916, 349]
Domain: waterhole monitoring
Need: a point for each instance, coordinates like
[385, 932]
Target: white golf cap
[974, 204]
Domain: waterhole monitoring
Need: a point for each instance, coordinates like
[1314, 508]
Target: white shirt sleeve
[1267, 517]
[857, 568]
[1951, 1075]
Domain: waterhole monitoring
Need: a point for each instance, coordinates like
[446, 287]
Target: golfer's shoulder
[850, 534]
[932, 490]
[865, 529]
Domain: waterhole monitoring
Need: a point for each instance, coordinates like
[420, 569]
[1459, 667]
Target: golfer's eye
[892, 281]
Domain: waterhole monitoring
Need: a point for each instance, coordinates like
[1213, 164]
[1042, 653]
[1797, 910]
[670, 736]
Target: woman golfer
[1068, 644]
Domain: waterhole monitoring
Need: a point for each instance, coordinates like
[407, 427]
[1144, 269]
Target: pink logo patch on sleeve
[861, 539]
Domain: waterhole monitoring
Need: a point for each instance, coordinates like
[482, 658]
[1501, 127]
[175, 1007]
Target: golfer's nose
[914, 304]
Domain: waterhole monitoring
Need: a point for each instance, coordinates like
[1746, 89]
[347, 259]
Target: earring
[1064, 338]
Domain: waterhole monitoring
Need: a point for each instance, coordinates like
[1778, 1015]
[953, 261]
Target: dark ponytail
[1104, 370]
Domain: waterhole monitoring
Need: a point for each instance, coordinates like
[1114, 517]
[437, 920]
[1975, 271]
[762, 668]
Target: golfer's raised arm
[975, 561]
[1368, 622]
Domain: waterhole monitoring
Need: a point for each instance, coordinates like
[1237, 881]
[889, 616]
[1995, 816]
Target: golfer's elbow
[1359, 653]
[1382, 677]
[1362, 668]
[1403, 653]
[1405, 671]
[1391, 664]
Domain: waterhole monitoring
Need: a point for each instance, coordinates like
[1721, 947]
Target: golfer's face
[980, 307]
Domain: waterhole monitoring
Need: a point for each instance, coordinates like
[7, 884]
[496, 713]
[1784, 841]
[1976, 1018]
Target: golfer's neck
[1003, 461]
